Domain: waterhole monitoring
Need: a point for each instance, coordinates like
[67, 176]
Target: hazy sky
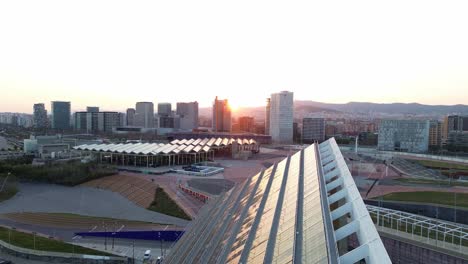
[112, 53]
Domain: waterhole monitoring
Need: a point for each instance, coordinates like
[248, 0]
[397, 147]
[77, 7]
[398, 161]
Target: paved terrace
[83, 201]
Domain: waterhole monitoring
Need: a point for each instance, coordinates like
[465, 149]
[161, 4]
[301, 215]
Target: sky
[115, 53]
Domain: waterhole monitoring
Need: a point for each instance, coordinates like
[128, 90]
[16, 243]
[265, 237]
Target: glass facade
[259, 221]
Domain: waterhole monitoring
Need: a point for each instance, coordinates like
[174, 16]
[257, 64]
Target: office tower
[304, 209]
[188, 113]
[92, 109]
[60, 115]
[130, 117]
[221, 116]
[313, 129]
[246, 124]
[92, 122]
[267, 117]
[281, 117]
[144, 114]
[404, 135]
[40, 116]
[164, 109]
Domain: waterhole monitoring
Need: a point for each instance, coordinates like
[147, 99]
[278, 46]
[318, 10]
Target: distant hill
[393, 108]
[353, 107]
[259, 111]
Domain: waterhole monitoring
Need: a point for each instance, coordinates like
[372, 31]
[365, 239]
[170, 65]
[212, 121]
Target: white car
[147, 255]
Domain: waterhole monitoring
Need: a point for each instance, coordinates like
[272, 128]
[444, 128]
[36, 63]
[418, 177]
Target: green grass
[440, 198]
[94, 218]
[433, 182]
[441, 165]
[162, 203]
[25, 240]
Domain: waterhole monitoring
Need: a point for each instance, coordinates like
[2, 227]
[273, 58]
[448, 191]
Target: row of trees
[69, 173]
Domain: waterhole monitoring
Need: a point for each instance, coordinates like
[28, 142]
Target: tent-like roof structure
[175, 147]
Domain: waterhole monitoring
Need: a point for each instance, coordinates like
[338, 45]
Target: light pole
[34, 240]
[133, 251]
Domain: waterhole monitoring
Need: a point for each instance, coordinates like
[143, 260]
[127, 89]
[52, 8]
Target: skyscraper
[267, 117]
[188, 113]
[281, 117]
[40, 116]
[313, 129]
[144, 114]
[164, 109]
[221, 116]
[130, 119]
[60, 115]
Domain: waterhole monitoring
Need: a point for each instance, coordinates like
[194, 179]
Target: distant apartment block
[93, 122]
[221, 116]
[144, 114]
[313, 129]
[60, 115]
[404, 135]
[188, 113]
[453, 123]
[40, 116]
[169, 122]
[281, 117]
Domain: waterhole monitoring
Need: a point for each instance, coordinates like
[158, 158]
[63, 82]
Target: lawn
[441, 198]
[442, 165]
[432, 182]
[26, 240]
[162, 203]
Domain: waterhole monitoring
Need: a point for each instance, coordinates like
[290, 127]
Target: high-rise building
[144, 114]
[164, 109]
[281, 117]
[453, 123]
[221, 116]
[40, 116]
[92, 109]
[188, 113]
[404, 135]
[60, 115]
[130, 117]
[435, 133]
[304, 209]
[246, 124]
[97, 121]
[267, 117]
[313, 129]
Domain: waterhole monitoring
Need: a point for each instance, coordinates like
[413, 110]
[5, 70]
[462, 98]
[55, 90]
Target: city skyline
[122, 54]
